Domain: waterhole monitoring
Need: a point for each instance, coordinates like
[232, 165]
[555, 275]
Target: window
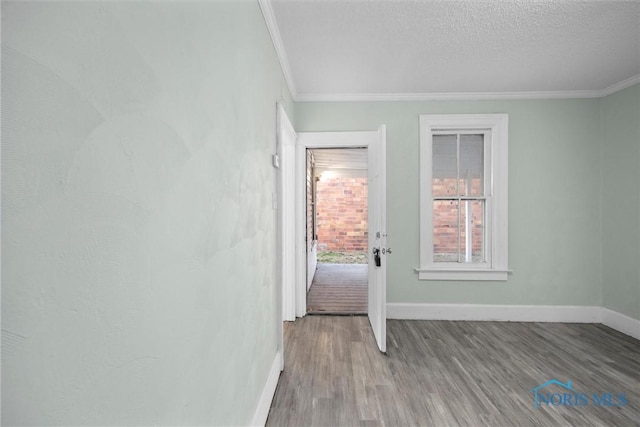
[463, 197]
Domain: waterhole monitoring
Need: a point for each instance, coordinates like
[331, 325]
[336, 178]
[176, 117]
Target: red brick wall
[342, 214]
[342, 217]
[445, 219]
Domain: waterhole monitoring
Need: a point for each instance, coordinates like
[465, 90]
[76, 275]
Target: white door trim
[348, 139]
[315, 140]
[286, 151]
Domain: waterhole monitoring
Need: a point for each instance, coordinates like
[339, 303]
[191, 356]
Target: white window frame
[496, 129]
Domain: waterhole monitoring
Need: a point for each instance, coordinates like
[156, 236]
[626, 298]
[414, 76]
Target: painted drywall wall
[554, 197]
[138, 235]
[621, 201]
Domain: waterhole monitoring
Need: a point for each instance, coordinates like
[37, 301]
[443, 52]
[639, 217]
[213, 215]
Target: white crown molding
[458, 96]
[466, 96]
[269, 390]
[620, 86]
[272, 26]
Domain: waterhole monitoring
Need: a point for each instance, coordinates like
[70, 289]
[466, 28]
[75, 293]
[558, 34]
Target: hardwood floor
[338, 289]
[441, 373]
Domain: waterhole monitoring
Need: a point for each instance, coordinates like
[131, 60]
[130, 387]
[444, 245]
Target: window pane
[471, 165]
[445, 168]
[472, 231]
[445, 231]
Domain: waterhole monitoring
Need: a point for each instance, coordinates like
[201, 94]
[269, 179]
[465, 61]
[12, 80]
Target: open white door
[378, 239]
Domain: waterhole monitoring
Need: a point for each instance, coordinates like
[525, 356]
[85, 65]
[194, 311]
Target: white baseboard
[500, 313]
[621, 323]
[264, 404]
[517, 313]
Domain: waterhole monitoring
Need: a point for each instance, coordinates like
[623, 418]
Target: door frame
[347, 139]
[286, 152]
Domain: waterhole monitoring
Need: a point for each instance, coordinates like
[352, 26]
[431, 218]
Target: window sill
[462, 275]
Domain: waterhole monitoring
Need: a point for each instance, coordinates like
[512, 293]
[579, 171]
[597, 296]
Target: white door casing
[286, 136]
[375, 142]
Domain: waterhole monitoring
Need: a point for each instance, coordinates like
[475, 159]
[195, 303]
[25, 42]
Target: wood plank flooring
[440, 373]
[338, 289]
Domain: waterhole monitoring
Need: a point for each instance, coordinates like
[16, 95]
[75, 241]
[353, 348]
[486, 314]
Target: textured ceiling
[452, 47]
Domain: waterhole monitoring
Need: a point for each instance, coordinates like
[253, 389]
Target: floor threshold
[336, 313]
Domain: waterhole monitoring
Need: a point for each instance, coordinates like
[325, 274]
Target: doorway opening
[337, 231]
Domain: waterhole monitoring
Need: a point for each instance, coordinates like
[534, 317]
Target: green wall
[555, 181]
[138, 235]
[621, 201]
